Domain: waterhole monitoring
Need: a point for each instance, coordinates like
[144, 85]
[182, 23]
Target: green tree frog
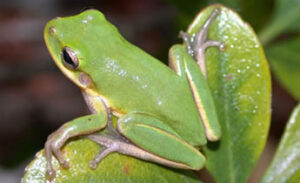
[164, 113]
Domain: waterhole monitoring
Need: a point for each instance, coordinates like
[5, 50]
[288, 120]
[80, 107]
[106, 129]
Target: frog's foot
[79, 126]
[112, 144]
[109, 144]
[52, 147]
[198, 43]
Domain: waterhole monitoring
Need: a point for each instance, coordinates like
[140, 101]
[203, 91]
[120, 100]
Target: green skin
[164, 113]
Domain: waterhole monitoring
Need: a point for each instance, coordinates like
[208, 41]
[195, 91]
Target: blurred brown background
[35, 98]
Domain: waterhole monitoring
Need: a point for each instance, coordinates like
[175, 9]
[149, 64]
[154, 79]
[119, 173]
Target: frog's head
[78, 44]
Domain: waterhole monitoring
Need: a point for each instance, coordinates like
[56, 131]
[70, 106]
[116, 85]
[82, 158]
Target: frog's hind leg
[185, 66]
[149, 139]
[197, 47]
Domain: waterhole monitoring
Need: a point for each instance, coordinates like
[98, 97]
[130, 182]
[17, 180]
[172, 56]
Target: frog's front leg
[79, 126]
[152, 140]
[198, 43]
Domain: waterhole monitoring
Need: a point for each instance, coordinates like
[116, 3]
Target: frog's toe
[210, 43]
[93, 165]
[59, 155]
[222, 47]
[50, 174]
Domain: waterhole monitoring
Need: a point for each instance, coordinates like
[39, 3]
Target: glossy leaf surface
[239, 79]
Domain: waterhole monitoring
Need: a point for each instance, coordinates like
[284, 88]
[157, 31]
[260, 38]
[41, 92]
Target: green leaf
[285, 166]
[286, 17]
[239, 79]
[284, 58]
[113, 168]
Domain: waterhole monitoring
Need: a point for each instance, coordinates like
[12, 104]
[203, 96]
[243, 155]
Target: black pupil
[67, 58]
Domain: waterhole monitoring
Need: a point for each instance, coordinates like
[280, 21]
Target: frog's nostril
[52, 30]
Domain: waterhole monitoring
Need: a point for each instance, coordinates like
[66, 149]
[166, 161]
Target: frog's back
[136, 82]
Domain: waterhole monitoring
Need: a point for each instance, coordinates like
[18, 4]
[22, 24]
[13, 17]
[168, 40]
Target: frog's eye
[69, 58]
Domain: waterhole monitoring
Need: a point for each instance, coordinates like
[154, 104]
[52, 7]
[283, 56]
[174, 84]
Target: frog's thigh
[155, 137]
[182, 63]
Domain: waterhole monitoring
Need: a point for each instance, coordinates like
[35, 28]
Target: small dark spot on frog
[228, 77]
[89, 119]
[126, 168]
[52, 30]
